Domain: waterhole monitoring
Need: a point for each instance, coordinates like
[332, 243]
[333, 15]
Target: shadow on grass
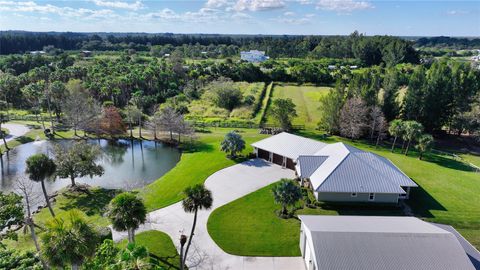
[422, 203]
[197, 146]
[168, 262]
[448, 162]
[24, 139]
[92, 203]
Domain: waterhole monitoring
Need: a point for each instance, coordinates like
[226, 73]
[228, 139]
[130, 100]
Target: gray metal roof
[371, 243]
[289, 145]
[349, 169]
[307, 165]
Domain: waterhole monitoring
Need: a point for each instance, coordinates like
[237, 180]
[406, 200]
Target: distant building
[86, 53]
[253, 56]
[353, 67]
[332, 67]
[37, 52]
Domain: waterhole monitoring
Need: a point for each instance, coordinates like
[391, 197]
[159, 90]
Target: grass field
[306, 99]
[448, 194]
[196, 164]
[160, 246]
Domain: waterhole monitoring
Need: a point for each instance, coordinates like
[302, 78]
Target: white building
[253, 56]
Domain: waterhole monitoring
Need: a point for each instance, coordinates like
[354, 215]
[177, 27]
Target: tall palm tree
[69, 242]
[413, 129]
[127, 213]
[198, 197]
[39, 168]
[286, 193]
[396, 129]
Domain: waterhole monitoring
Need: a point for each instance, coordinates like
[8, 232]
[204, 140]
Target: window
[371, 197]
[354, 194]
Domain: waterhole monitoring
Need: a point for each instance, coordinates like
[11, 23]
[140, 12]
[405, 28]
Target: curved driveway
[14, 131]
[226, 185]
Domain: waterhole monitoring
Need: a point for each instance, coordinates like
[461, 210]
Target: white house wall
[361, 197]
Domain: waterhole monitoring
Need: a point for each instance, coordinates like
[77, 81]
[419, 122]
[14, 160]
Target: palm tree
[197, 198]
[233, 143]
[396, 129]
[39, 168]
[286, 193]
[69, 242]
[127, 213]
[425, 143]
[413, 129]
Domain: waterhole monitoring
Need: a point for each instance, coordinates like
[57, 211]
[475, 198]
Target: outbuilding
[377, 243]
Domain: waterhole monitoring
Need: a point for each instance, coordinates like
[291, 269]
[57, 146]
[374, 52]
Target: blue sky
[323, 17]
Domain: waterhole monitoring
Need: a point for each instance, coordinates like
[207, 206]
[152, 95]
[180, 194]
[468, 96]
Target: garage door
[277, 159]
[263, 154]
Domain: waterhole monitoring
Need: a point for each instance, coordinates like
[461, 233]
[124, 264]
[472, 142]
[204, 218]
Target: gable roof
[349, 169]
[307, 165]
[289, 145]
[361, 243]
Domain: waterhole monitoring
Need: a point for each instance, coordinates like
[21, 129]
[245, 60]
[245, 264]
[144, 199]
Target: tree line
[370, 50]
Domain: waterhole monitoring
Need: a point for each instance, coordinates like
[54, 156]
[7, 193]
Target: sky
[316, 17]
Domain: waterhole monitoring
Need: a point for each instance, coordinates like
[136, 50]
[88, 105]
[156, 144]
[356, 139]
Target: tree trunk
[408, 146]
[51, 116]
[3, 138]
[75, 266]
[421, 155]
[46, 198]
[72, 179]
[140, 127]
[155, 132]
[191, 236]
[393, 145]
[181, 257]
[131, 129]
[75, 130]
[171, 135]
[378, 140]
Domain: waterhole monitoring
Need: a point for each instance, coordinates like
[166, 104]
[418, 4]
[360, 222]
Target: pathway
[14, 131]
[226, 185]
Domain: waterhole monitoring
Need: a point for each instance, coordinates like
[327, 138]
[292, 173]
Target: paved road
[14, 131]
[226, 185]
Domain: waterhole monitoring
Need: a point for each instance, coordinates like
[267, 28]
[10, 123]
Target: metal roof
[361, 243]
[307, 165]
[349, 169]
[289, 145]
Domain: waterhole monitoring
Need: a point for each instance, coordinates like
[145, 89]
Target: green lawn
[306, 98]
[196, 164]
[448, 194]
[160, 246]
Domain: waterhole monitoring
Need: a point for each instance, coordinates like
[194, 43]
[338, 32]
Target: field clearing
[306, 98]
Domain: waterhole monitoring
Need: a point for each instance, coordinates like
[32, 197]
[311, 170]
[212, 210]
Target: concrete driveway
[14, 131]
[226, 185]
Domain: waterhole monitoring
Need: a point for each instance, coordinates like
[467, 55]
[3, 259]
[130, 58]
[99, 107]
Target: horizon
[246, 17]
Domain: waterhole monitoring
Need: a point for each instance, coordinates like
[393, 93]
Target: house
[370, 243]
[37, 52]
[253, 56]
[86, 53]
[337, 172]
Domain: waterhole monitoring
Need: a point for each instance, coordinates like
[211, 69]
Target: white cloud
[295, 21]
[202, 15]
[457, 12]
[218, 3]
[67, 12]
[343, 6]
[258, 5]
[289, 13]
[119, 4]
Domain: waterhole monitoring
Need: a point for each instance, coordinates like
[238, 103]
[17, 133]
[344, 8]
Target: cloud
[457, 12]
[289, 13]
[343, 6]
[258, 5]
[30, 6]
[119, 4]
[218, 3]
[203, 15]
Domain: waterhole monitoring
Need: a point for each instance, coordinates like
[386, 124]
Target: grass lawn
[448, 194]
[262, 233]
[92, 204]
[196, 164]
[160, 246]
[306, 98]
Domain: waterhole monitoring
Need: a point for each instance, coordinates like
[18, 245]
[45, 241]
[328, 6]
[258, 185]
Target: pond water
[127, 164]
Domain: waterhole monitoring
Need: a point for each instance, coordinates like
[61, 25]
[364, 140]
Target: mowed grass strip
[160, 246]
[196, 164]
[307, 101]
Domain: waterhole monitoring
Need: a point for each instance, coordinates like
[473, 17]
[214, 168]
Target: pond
[127, 164]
